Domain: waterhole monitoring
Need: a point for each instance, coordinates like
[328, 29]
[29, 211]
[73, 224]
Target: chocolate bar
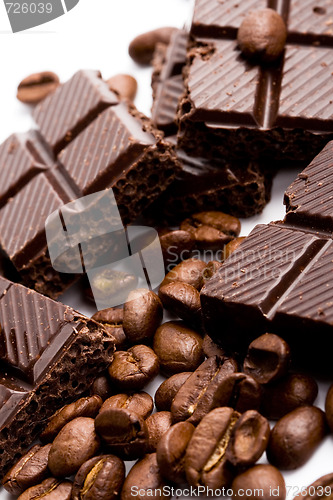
[87, 141]
[235, 108]
[49, 354]
[280, 279]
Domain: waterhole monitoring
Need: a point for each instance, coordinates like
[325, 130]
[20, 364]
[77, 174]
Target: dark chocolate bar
[107, 144]
[237, 109]
[49, 354]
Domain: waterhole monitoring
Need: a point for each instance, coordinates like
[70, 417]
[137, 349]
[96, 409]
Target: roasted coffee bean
[189, 271]
[171, 449]
[329, 407]
[262, 35]
[34, 88]
[212, 267]
[183, 300]
[102, 387]
[84, 407]
[249, 439]
[205, 460]
[142, 48]
[141, 403]
[125, 433]
[144, 477]
[232, 246]
[30, 470]
[201, 391]
[168, 389]
[133, 369]
[261, 482]
[99, 478]
[125, 86]
[49, 489]
[210, 348]
[176, 247]
[287, 394]
[267, 359]
[178, 348]
[158, 423]
[211, 230]
[321, 488]
[241, 392]
[75, 443]
[109, 284]
[143, 313]
[112, 320]
[295, 437]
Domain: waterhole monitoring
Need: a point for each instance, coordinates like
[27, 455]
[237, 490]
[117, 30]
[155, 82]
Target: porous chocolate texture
[49, 355]
[237, 109]
[87, 141]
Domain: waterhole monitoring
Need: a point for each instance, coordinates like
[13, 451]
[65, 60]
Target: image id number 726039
[31, 8]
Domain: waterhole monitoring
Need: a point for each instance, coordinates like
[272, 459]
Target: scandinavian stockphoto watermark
[25, 14]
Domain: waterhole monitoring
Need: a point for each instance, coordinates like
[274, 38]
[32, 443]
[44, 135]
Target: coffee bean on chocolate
[84, 407]
[295, 437]
[212, 267]
[142, 48]
[100, 477]
[189, 271]
[102, 387]
[49, 489]
[267, 359]
[171, 449]
[30, 470]
[232, 246]
[183, 300]
[262, 35]
[125, 86]
[321, 488]
[125, 433]
[287, 394]
[178, 348]
[168, 389]
[140, 403]
[75, 443]
[144, 477]
[205, 460]
[210, 348]
[34, 88]
[143, 313]
[176, 246]
[329, 407]
[133, 369]
[249, 439]
[261, 480]
[211, 230]
[158, 423]
[112, 320]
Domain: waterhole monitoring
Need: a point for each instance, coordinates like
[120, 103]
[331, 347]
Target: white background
[95, 35]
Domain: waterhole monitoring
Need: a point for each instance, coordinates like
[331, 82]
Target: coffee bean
[178, 348]
[30, 470]
[112, 320]
[287, 394]
[189, 271]
[34, 88]
[158, 423]
[102, 387]
[262, 35]
[84, 407]
[75, 443]
[210, 348]
[133, 369]
[232, 246]
[125, 86]
[143, 313]
[267, 359]
[168, 389]
[241, 392]
[171, 449]
[321, 488]
[205, 460]
[109, 284]
[141, 403]
[145, 477]
[249, 439]
[295, 437]
[142, 48]
[49, 489]
[125, 433]
[182, 300]
[212, 267]
[262, 482]
[211, 230]
[201, 391]
[176, 247]
[329, 407]
[99, 478]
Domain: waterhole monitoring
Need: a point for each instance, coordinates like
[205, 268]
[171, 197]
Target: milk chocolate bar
[49, 354]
